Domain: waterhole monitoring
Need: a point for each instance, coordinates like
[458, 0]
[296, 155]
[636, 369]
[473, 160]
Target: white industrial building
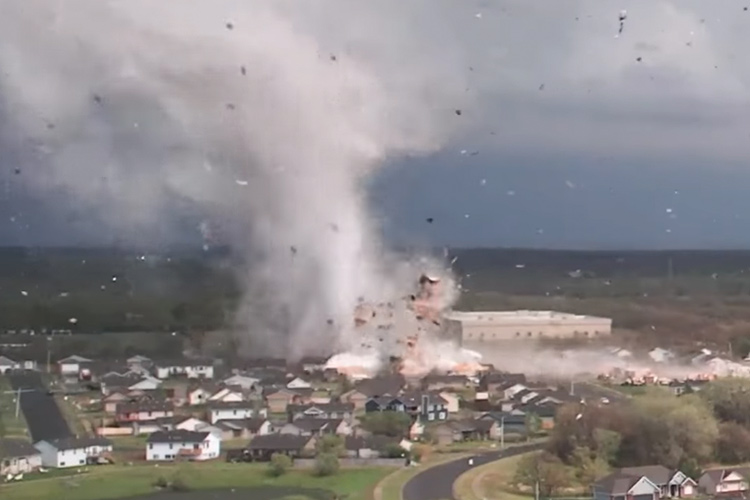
[489, 326]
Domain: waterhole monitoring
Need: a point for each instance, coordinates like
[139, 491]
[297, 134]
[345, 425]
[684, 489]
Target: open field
[10, 426]
[120, 481]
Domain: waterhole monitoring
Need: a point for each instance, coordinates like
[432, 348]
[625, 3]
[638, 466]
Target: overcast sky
[569, 136]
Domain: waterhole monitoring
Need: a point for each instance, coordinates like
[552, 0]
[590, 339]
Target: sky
[571, 134]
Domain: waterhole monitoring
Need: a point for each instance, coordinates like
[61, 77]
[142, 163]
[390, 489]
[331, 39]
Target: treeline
[685, 433]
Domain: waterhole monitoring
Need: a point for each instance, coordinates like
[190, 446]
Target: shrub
[326, 464]
[179, 484]
[279, 464]
[161, 482]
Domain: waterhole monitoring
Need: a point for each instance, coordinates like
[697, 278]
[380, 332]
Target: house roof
[616, 484]
[5, 361]
[317, 424]
[325, 407]
[379, 443]
[278, 442]
[231, 405]
[177, 436]
[74, 443]
[139, 406]
[168, 363]
[74, 359]
[542, 410]
[436, 378]
[10, 448]
[657, 474]
[718, 475]
[384, 385]
[415, 398]
[620, 481]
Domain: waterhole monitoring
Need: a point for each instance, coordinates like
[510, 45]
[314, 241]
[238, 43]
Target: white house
[7, 364]
[167, 446]
[660, 355]
[72, 452]
[189, 368]
[298, 383]
[234, 410]
[198, 396]
[71, 366]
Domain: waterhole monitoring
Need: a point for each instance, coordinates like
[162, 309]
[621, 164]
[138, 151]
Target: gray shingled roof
[12, 448]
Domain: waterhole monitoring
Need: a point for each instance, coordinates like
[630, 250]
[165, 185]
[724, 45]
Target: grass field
[10, 426]
[119, 481]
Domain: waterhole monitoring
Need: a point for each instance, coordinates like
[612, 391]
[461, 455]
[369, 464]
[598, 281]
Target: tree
[331, 444]
[279, 464]
[729, 399]
[607, 445]
[326, 464]
[733, 445]
[533, 424]
[543, 469]
[395, 451]
[386, 423]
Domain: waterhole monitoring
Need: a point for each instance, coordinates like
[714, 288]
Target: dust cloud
[262, 118]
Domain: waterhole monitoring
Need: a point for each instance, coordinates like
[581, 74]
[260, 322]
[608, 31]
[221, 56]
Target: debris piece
[24, 293]
[329, 321]
[230, 26]
[230, 106]
[17, 171]
[241, 182]
[458, 112]
[623, 15]
[541, 87]
[430, 220]
[97, 98]
[293, 249]
[243, 70]
[639, 59]
[333, 57]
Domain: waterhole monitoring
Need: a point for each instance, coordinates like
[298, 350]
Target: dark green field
[675, 297]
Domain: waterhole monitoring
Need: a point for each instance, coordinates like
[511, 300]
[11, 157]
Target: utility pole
[572, 387]
[536, 490]
[502, 433]
[18, 402]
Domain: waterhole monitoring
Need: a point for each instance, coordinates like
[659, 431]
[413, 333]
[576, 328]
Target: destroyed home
[182, 445]
[437, 382]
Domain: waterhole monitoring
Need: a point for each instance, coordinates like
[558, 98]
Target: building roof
[144, 405]
[325, 407]
[523, 316]
[616, 484]
[177, 436]
[436, 378]
[621, 480]
[74, 359]
[384, 385]
[5, 361]
[74, 443]
[379, 443]
[10, 448]
[231, 405]
[168, 363]
[317, 424]
[281, 442]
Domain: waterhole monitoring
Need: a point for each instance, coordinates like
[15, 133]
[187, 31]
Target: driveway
[436, 483]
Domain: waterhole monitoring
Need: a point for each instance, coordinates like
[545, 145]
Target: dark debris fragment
[231, 106]
[430, 220]
[333, 57]
[97, 98]
[458, 112]
[230, 26]
[243, 70]
[293, 249]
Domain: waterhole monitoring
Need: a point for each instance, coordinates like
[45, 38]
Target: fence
[309, 463]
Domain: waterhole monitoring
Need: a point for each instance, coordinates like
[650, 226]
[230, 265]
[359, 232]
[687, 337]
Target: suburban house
[190, 368]
[18, 457]
[298, 383]
[182, 445]
[227, 395]
[7, 364]
[452, 404]
[138, 362]
[307, 426]
[546, 413]
[72, 451]
[427, 405]
[466, 430]
[234, 410]
[356, 398]
[199, 395]
[640, 481]
[329, 411]
[111, 400]
[725, 481]
[382, 386]
[142, 411]
[263, 446]
[513, 422]
[278, 400]
[244, 429]
[72, 365]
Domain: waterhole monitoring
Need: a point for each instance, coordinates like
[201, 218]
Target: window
[156, 457]
[431, 416]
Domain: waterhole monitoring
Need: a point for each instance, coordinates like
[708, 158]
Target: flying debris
[24, 293]
[430, 220]
[483, 182]
[458, 112]
[241, 182]
[333, 57]
[623, 15]
[231, 106]
[639, 59]
[329, 321]
[243, 70]
[293, 249]
[334, 227]
[230, 26]
[97, 98]
[17, 171]
[541, 87]
[73, 321]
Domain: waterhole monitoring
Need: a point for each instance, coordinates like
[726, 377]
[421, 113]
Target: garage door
[643, 497]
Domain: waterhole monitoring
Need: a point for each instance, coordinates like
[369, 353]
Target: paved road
[436, 483]
[43, 416]
[595, 391]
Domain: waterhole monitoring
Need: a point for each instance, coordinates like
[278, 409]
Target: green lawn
[10, 426]
[119, 481]
[70, 412]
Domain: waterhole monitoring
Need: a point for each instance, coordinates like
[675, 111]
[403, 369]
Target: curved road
[436, 483]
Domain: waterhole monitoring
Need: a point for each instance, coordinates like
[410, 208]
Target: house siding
[20, 465]
[210, 448]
